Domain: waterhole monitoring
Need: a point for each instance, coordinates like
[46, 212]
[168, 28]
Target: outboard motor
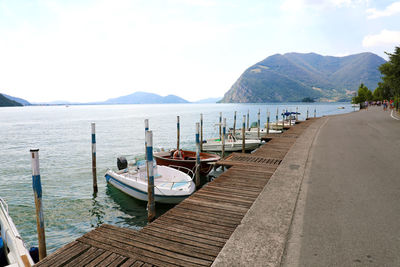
[122, 163]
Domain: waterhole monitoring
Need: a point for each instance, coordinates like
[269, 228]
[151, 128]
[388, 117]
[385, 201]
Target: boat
[340, 107]
[171, 185]
[231, 144]
[187, 159]
[252, 134]
[14, 252]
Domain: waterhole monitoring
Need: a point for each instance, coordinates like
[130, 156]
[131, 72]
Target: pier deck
[194, 231]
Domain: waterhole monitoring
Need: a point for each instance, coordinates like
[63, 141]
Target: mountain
[294, 76]
[145, 98]
[19, 100]
[5, 102]
[209, 100]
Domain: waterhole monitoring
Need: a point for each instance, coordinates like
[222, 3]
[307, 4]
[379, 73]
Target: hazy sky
[82, 50]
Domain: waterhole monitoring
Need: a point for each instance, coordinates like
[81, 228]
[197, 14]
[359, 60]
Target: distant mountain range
[294, 76]
[145, 98]
[6, 102]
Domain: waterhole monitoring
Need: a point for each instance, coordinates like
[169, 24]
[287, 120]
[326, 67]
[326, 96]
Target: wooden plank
[221, 216]
[132, 262]
[68, 255]
[213, 210]
[86, 257]
[57, 253]
[210, 203]
[99, 259]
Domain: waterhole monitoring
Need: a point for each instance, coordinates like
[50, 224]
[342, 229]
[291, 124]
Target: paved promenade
[348, 211]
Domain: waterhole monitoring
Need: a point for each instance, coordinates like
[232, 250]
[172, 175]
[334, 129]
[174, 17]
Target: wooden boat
[186, 159]
[171, 185]
[231, 144]
[14, 251]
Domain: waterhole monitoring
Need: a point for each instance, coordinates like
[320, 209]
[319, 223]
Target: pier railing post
[201, 132]
[248, 119]
[223, 138]
[198, 163]
[267, 122]
[220, 126]
[178, 132]
[283, 119]
[37, 192]
[315, 112]
[297, 115]
[244, 134]
[277, 117]
[234, 125]
[258, 124]
[146, 128]
[307, 114]
[151, 210]
[94, 169]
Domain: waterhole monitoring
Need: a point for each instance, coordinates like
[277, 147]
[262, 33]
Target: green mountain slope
[294, 76]
[5, 102]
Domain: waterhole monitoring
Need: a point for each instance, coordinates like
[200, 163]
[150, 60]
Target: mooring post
[197, 181]
[151, 209]
[234, 125]
[201, 132]
[297, 115]
[248, 119]
[220, 126]
[277, 117]
[178, 132]
[307, 114]
[283, 119]
[37, 192]
[146, 128]
[244, 134]
[267, 122]
[290, 118]
[258, 124]
[315, 112]
[94, 171]
[223, 138]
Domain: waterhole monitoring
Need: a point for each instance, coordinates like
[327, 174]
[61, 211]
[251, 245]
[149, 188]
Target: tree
[391, 75]
[364, 94]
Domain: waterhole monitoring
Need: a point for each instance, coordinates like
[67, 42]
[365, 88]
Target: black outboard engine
[122, 163]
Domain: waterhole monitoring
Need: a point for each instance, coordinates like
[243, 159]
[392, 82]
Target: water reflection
[96, 212]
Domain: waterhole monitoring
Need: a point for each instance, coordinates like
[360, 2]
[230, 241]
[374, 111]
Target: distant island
[294, 76]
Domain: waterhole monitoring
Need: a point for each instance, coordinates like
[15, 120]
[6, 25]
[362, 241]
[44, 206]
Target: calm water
[63, 136]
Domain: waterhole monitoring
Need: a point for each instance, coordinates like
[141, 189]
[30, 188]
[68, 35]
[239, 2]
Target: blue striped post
[197, 181]
[94, 171]
[277, 116]
[151, 209]
[297, 115]
[234, 124]
[244, 134]
[37, 192]
[283, 119]
[220, 126]
[178, 132]
[307, 114]
[248, 119]
[290, 118]
[201, 132]
[146, 128]
[315, 112]
[223, 138]
[267, 121]
[258, 124]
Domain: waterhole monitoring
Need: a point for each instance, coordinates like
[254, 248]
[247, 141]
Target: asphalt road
[348, 211]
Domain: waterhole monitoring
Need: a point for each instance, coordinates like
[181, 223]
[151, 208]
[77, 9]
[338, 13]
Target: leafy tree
[390, 88]
[364, 94]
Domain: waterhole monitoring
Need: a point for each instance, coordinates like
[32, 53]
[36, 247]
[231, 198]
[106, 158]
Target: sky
[84, 50]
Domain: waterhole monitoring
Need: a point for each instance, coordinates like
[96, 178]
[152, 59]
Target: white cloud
[385, 37]
[390, 10]
[288, 5]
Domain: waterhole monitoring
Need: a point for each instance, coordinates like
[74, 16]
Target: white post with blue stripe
[197, 181]
[178, 132]
[315, 112]
[94, 171]
[151, 209]
[283, 119]
[248, 119]
[223, 138]
[267, 121]
[297, 113]
[234, 125]
[244, 134]
[277, 116]
[146, 128]
[220, 126]
[37, 192]
[307, 114]
[258, 124]
[201, 132]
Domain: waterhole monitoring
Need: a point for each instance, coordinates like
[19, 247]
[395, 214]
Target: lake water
[63, 136]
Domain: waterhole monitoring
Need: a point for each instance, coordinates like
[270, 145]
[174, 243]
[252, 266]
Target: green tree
[391, 76]
[364, 94]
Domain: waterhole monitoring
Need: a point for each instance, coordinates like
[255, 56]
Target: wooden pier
[194, 231]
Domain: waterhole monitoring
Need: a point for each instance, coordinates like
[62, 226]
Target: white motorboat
[252, 134]
[14, 249]
[171, 185]
[231, 144]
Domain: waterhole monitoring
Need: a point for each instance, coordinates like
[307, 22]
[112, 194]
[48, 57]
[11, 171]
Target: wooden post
[307, 114]
[248, 119]
[197, 181]
[283, 119]
[178, 133]
[146, 128]
[277, 116]
[297, 115]
[315, 112]
[201, 132]
[223, 138]
[94, 171]
[220, 126]
[258, 124]
[151, 210]
[244, 134]
[37, 192]
[234, 125]
[267, 122]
